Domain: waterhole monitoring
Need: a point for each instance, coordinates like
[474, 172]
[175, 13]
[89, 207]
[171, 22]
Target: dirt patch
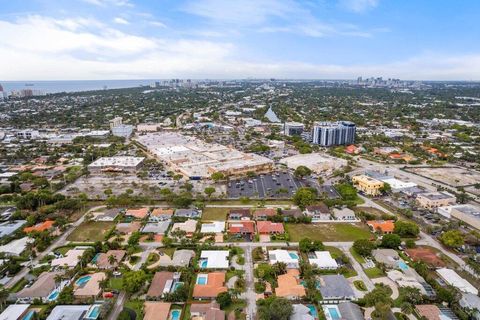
[426, 255]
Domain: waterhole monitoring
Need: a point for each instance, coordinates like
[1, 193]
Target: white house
[290, 258]
[322, 260]
[213, 227]
[452, 278]
[214, 259]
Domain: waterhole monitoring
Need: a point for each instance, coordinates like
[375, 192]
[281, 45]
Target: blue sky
[319, 39]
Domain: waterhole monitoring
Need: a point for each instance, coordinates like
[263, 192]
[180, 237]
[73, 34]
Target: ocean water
[73, 85]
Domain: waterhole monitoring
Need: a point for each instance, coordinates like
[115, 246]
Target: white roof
[15, 247]
[75, 312]
[14, 311]
[399, 184]
[453, 279]
[124, 161]
[70, 260]
[213, 227]
[216, 259]
[280, 255]
[323, 260]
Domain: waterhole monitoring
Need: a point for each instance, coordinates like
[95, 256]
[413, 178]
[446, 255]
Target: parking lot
[274, 185]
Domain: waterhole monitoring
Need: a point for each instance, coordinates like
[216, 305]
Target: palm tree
[112, 260]
[3, 297]
[406, 308]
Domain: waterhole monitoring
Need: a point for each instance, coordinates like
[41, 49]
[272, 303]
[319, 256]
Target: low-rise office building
[367, 185]
[434, 200]
[116, 164]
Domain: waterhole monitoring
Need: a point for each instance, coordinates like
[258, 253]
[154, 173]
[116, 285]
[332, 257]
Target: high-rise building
[115, 122]
[293, 128]
[3, 94]
[337, 133]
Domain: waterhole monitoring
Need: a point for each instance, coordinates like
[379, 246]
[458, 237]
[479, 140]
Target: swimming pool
[331, 312]
[203, 263]
[293, 255]
[83, 280]
[93, 313]
[177, 285]
[29, 315]
[94, 260]
[402, 265]
[53, 295]
[202, 279]
[175, 314]
[313, 310]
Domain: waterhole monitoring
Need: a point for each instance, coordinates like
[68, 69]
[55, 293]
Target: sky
[238, 39]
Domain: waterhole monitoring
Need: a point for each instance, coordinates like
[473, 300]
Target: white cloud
[106, 3]
[157, 24]
[78, 48]
[359, 5]
[119, 20]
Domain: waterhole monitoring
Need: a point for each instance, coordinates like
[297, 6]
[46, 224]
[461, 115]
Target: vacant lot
[328, 231]
[90, 231]
[453, 176]
[210, 214]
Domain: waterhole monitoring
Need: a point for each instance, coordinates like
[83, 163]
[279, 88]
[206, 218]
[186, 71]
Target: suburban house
[189, 226]
[15, 247]
[268, 227]
[350, 311]
[214, 259]
[322, 260]
[159, 227]
[128, 227]
[301, 312]
[163, 282]
[335, 288]
[213, 227]
[433, 312]
[102, 260]
[160, 214]
[15, 312]
[452, 278]
[108, 215]
[188, 213]
[181, 258]
[264, 214]
[289, 286]
[209, 285]
[318, 213]
[344, 214]
[292, 214]
[155, 310]
[139, 214]
[382, 226]
[70, 260]
[239, 214]
[206, 311]
[471, 302]
[42, 288]
[43, 226]
[9, 227]
[290, 258]
[88, 286]
[74, 312]
[242, 228]
[388, 257]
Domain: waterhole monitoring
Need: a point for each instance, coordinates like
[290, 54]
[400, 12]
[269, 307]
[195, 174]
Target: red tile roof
[40, 227]
[265, 227]
[241, 227]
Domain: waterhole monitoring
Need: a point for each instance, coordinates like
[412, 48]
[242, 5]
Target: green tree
[306, 245]
[209, 191]
[363, 247]
[217, 176]
[133, 280]
[386, 188]
[391, 241]
[453, 239]
[274, 308]
[302, 171]
[304, 197]
[406, 229]
[224, 299]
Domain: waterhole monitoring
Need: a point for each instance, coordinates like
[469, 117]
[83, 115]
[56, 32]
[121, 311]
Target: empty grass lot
[328, 231]
[91, 231]
[211, 214]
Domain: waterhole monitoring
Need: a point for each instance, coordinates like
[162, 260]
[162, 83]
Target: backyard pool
[53, 295]
[331, 312]
[175, 314]
[29, 315]
[313, 311]
[293, 255]
[83, 280]
[203, 263]
[202, 279]
[93, 313]
[177, 285]
[94, 260]
[402, 265]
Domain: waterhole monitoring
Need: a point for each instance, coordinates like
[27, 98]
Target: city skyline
[285, 39]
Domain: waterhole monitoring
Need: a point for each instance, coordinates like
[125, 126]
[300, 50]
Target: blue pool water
[202, 280]
[53, 295]
[177, 285]
[81, 281]
[334, 313]
[293, 255]
[175, 314]
[93, 313]
[29, 315]
[313, 310]
[94, 260]
[402, 265]
[203, 263]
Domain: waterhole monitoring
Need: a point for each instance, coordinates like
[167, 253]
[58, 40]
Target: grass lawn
[168, 251]
[328, 231]
[137, 306]
[63, 250]
[334, 251]
[19, 285]
[360, 285]
[115, 283]
[374, 273]
[91, 231]
[210, 214]
[357, 257]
